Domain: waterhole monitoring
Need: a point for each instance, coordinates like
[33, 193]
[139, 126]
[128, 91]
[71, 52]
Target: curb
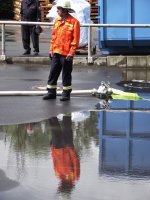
[109, 61]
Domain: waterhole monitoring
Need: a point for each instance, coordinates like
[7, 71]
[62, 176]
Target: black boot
[65, 96]
[50, 95]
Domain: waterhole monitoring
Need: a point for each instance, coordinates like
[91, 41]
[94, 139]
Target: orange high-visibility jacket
[66, 163]
[65, 36]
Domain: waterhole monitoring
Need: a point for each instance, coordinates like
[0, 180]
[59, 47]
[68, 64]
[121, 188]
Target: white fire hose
[40, 93]
[103, 89]
[104, 93]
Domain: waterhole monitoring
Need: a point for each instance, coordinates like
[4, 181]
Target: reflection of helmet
[66, 4]
[30, 130]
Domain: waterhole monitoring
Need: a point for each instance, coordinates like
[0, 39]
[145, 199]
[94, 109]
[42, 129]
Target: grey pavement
[22, 109]
[14, 41]
[27, 75]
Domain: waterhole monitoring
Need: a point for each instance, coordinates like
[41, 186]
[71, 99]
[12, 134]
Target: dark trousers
[27, 32]
[62, 134]
[58, 64]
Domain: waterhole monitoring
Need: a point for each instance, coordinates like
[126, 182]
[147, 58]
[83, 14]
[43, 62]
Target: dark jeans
[27, 32]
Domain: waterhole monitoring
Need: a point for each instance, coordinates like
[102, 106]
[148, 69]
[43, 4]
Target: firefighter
[65, 158]
[63, 45]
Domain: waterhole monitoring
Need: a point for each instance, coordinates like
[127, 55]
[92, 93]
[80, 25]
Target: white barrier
[90, 58]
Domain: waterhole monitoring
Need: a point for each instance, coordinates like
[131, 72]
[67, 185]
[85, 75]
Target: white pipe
[82, 24]
[40, 93]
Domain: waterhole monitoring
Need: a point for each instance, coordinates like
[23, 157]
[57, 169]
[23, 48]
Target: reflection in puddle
[125, 143]
[137, 80]
[136, 73]
[6, 183]
[85, 155]
[65, 158]
[135, 85]
[130, 105]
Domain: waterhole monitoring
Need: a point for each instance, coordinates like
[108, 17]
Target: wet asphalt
[21, 77]
[22, 109]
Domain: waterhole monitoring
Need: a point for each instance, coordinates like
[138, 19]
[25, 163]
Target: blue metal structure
[124, 40]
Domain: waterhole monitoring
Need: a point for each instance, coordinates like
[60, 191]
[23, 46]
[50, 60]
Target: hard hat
[66, 4]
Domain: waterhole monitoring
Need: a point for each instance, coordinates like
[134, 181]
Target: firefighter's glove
[69, 57]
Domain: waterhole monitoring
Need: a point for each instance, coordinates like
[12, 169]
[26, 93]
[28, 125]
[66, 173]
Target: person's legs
[35, 40]
[53, 77]
[67, 131]
[66, 79]
[25, 30]
[57, 139]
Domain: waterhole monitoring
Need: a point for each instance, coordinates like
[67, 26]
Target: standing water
[91, 155]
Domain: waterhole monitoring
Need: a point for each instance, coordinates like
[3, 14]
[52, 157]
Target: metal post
[90, 58]
[3, 56]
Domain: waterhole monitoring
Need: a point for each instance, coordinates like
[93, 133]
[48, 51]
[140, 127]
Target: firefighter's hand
[69, 57]
[51, 55]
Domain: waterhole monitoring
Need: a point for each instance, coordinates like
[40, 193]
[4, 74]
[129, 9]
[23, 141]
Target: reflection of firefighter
[65, 159]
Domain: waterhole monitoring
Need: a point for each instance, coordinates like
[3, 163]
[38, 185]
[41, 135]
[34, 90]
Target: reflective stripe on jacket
[65, 36]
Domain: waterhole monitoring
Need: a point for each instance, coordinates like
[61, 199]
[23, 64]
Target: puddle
[84, 155]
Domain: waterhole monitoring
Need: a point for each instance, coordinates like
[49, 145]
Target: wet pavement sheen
[23, 109]
[83, 155]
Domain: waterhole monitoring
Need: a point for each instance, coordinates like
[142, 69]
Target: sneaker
[26, 53]
[49, 96]
[36, 53]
